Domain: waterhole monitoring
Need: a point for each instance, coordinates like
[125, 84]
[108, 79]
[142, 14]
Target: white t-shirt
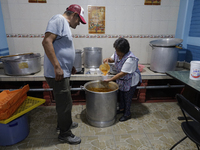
[130, 66]
[63, 46]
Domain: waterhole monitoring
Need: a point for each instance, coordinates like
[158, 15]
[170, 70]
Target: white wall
[123, 18]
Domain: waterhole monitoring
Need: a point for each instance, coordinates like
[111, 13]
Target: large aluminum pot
[78, 60]
[101, 107]
[92, 57]
[163, 59]
[22, 64]
[164, 54]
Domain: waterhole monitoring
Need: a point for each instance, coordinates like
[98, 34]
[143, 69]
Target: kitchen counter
[147, 74]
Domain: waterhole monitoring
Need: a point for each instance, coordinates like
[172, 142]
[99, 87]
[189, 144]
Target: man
[58, 66]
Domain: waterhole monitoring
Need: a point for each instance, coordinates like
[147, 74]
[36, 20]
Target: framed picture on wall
[152, 2]
[96, 19]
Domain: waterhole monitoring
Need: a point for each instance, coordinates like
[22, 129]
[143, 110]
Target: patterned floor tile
[153, 126]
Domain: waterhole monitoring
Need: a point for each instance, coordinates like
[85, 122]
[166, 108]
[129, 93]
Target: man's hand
[58, 74]
[73, 70]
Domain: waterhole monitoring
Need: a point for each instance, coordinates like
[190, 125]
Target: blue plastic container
[14, 131]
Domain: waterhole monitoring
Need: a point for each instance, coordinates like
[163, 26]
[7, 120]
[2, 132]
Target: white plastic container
[195, 70]
[98, 71]
[92, 71]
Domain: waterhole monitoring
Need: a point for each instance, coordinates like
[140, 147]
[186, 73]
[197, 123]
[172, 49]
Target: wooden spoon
[16, 55]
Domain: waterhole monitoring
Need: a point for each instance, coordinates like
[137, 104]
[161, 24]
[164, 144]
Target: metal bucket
[101, 107]
[92, 57]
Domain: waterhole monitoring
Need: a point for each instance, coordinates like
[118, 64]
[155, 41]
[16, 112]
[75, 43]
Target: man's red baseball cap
[79, 10]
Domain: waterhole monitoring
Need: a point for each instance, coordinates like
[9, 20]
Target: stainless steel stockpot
[164, 54]
[78, 60]
[92, 57]
[101, 107]
[163, 59]
[22, 64]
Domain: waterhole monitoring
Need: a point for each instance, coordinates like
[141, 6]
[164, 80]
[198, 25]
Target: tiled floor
[154, 126]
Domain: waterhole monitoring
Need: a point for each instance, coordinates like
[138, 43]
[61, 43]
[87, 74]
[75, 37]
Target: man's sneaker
[73, 126]
[70, 139]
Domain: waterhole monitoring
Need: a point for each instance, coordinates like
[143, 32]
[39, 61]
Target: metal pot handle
[82, 87]
[150, 45]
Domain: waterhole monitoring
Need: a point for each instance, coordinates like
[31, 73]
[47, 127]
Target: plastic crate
[28, 104]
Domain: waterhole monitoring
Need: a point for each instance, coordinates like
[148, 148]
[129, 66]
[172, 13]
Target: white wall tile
[119, 27]
[173, 13]
[164, 13]
[37, 46]
[172, 27]
[38, 26]
[11, 46]
[137, 27]
[135, 46]
[23, 45]
[146, 27]
[8, 26]
[5, 10]
[138, 2]
[110, 2]
[13, 11]
[111, 13]
[23, 27]
[175, 3]
[138, 13]
[166, 2]
[129, 15]
[163, 27]
[129, 27]
[156, 15]
[92, 2]
[120, 2]
[147, 12]
[155, 25]
[110, 27]
[123, 17]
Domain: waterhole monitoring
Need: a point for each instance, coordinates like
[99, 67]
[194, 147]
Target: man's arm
[49, 50]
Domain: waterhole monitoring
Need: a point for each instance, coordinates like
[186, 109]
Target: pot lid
[166, 42]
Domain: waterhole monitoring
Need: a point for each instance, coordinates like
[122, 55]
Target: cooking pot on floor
[22, 64]
[101, 107]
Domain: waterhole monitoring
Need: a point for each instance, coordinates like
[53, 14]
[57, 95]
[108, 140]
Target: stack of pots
[164, 54]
